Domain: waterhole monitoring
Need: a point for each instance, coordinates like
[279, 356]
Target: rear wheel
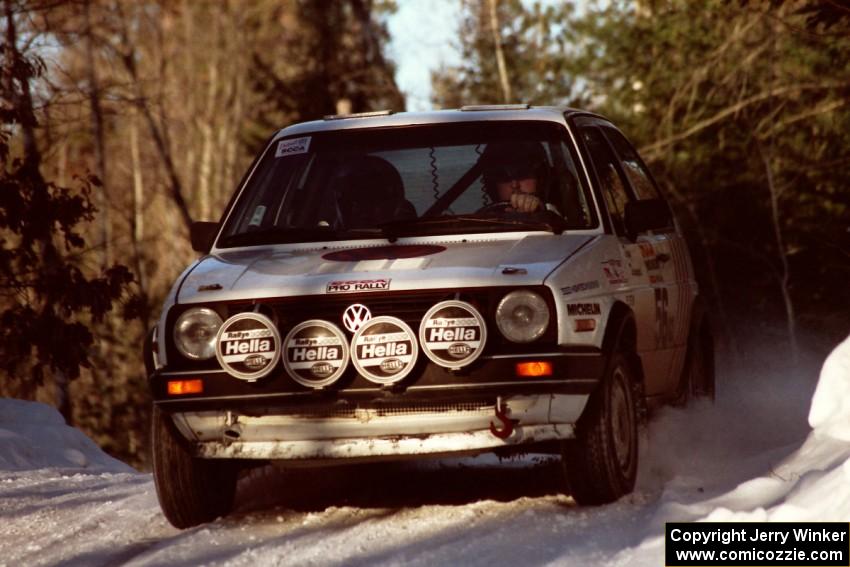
[600, 464]
[191, 491]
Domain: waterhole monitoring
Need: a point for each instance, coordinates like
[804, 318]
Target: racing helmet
[505, 160]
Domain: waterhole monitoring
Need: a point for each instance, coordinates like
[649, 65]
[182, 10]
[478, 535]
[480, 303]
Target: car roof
[385, 118]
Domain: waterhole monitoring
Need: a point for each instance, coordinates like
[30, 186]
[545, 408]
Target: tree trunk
[102, 194]
[785, 276]
[507, 95]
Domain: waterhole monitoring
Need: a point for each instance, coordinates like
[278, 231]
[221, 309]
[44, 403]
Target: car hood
[280, 271]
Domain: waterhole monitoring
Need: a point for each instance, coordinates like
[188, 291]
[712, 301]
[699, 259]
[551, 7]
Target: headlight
[522, 316]
[195, 331]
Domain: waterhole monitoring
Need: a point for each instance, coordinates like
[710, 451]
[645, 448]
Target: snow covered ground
[772, 448]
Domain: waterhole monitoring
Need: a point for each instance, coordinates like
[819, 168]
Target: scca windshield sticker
[354, 286]
[292, 147]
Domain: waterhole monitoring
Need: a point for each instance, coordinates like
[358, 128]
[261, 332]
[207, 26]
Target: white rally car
[384, 286]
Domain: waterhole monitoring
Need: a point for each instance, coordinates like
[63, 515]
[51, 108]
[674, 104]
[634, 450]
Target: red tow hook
[507, 423]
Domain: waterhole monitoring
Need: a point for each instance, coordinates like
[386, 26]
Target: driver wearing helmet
[515, 173]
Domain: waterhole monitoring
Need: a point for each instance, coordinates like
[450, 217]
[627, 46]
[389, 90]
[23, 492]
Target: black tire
[600, 464]
[191, 491]
[697, 380]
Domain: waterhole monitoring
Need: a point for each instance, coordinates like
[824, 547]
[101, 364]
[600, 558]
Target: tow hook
[507, 423]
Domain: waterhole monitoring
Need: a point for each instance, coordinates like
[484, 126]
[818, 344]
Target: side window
[611, 182]
[634, 167]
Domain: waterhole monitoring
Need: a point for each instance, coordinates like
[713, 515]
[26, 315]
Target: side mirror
[202, 234]
[648, 214]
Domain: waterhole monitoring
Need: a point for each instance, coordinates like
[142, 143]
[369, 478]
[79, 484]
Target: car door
[626, 274]
[667, 265]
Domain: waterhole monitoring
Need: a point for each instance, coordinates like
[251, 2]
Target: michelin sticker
[384, 350]
[248, 346]
[453, 334]
[574, 309]
[315, 353]
[292, 147]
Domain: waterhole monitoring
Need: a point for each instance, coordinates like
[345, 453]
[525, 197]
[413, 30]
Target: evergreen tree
[48, 301]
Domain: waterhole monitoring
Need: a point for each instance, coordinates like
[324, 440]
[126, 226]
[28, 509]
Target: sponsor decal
[583, 309]
[315, 353]
[613, 270]
[354, 286]
[453, 334]
[384, 350]
[384, 253]
[248, 346]
[580, 287]
[355, 316]
[646, 250]
[292, 147]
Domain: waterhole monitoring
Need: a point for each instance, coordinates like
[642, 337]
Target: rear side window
[642, 183]
[610, 180]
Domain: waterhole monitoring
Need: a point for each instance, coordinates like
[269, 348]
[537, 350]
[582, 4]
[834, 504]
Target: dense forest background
[122, 122]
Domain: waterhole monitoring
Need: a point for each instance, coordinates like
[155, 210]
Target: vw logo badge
[355, 316]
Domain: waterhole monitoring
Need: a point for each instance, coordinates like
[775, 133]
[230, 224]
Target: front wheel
[600, 464]
[191, 491]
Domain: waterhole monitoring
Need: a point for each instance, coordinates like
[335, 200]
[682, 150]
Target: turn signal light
[585, 325]
[180, 387]
[536, 368]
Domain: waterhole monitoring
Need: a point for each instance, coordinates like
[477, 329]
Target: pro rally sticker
[248, 346]
[453, 334]
[292, 147]
[315, 353]
[384, 350]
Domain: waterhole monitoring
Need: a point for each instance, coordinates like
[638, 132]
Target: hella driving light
[195, 331]
[522, 316]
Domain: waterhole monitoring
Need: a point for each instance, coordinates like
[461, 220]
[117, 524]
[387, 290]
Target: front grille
[410, 307]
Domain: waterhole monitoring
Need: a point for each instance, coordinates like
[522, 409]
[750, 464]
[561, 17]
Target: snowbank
[35, 436]
[830, 412]
[747, 466]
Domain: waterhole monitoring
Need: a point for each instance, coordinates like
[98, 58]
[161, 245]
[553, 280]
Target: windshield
[413, 180]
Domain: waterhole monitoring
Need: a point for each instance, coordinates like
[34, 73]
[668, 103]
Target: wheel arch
[621, 336]
[620, 329]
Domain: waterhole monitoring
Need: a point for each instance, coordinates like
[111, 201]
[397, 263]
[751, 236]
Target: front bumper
[367, 434]
[572, 373]
[434, 412]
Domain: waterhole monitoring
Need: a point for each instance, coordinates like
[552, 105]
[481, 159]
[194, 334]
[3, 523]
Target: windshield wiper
[276, 236]
[287, 235]
[546, 221]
